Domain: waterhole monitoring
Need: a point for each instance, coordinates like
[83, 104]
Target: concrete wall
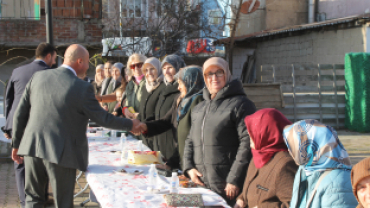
[273, 14]
[239, 58]
[343, 8]
[251, 23]
[286, 13]
[327, 47]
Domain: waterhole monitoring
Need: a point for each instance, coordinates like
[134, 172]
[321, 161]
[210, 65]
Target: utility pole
[232, 37]
[49, 22]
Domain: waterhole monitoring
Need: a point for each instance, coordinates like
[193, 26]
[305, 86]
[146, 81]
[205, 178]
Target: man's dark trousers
[19, 170]
[62, 181]
[19, 178]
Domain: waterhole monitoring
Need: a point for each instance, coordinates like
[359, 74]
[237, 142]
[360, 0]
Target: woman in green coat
[150, 93]
[191, 84]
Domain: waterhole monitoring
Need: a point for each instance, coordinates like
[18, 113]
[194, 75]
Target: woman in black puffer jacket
[217, 151]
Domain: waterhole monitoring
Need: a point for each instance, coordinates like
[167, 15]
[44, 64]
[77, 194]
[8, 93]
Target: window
[131, 8]
[20, 9]
[214, 17]
[163, 6]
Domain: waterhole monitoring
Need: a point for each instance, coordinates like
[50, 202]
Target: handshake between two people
[138, 127]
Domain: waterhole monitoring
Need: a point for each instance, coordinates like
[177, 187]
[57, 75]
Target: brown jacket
[272, 185]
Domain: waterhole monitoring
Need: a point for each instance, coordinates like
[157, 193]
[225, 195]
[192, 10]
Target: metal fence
[310, 91]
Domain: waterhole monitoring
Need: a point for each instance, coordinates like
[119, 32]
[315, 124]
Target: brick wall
[16, 32]
[75, 8]
[73, 22]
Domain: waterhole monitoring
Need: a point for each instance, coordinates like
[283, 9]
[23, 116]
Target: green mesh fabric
[357, 76]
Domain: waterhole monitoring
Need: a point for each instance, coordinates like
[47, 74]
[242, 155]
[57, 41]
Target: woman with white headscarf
[150, 93]
[217, 151]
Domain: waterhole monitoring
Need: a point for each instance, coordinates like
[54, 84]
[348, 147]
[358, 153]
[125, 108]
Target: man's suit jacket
[52, 118]
[15, 88]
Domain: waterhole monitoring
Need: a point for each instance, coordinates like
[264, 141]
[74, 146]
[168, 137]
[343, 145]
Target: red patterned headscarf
[265, 128]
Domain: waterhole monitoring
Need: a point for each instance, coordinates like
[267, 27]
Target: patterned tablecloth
[117, 190]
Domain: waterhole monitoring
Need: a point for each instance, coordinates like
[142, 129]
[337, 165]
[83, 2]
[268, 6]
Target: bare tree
[160, 27]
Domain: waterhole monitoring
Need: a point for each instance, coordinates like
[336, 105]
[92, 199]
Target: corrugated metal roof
[265, 33]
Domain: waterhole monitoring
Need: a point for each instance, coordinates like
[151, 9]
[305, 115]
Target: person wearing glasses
[135, 85]
[217, 152]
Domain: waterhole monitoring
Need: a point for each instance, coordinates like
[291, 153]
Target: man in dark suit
[45, 58]
[54, 113]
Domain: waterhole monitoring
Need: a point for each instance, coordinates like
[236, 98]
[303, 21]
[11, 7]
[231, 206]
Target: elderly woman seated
[360, 177]
[270, 176]
[324, 174]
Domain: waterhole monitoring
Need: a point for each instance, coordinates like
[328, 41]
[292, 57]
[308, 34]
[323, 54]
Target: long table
[118, 190]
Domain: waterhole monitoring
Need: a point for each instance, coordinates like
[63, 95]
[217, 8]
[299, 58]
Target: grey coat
[55, 116]
[218, 142]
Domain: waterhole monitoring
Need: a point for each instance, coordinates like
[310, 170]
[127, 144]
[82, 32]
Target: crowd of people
[198, 117]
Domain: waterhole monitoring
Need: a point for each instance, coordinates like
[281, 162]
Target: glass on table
[113, 133]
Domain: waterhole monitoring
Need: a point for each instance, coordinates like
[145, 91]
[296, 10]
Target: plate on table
[128, 171]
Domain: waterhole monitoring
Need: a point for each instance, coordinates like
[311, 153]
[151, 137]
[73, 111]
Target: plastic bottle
[122, 140]
[124, 148]
[153, 177]
[174, 188]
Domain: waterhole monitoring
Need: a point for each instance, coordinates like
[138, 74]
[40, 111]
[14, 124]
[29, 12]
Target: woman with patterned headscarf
[324, 175]
[178, 118]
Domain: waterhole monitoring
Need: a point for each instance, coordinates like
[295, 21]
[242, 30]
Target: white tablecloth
[115, 190]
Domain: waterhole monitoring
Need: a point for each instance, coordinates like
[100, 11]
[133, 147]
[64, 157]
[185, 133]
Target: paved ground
[357, 144]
